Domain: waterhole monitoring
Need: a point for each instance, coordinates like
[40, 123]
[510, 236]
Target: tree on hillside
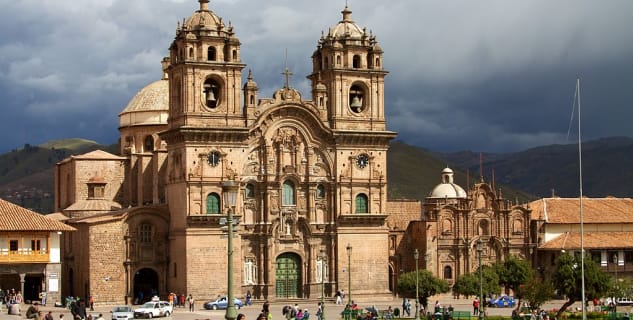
[428, 285]
[567, 278]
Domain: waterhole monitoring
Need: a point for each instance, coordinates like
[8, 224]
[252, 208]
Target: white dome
[149, 106]
[447, 189]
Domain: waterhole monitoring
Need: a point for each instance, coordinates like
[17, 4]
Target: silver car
[122, 312]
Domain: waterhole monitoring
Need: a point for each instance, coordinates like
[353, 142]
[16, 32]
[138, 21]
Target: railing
[24, 256]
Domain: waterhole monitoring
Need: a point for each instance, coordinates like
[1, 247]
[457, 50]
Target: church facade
[312, 200]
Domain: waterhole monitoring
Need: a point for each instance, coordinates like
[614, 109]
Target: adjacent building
[30, 252]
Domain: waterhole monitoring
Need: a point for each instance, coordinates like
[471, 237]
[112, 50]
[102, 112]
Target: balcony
[26, 256]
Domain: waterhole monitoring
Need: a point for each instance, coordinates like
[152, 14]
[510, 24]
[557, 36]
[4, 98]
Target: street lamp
[416, 255]
[617, 287]
[349, 274]
[229, 193]
[480, 249]
[322, 258]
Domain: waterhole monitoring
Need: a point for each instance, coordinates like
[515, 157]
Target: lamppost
[322, 258]
[617, 287]
[480, 249]
[229, 192]
[416, 255]
[349, 274]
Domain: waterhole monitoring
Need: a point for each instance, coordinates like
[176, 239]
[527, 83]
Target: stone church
[311, 171]
[312, 201]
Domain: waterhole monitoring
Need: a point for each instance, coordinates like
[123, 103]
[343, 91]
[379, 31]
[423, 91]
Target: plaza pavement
[332, 311]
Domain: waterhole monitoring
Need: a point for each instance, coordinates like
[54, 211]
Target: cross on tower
[287, 73]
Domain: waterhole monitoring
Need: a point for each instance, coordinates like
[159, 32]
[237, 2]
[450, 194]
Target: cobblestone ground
[332, 311]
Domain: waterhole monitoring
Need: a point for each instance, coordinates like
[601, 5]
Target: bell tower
[348, 61]
[205, 73]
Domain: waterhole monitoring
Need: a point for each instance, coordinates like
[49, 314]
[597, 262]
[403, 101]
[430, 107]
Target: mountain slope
[27, 175]
[542, 170]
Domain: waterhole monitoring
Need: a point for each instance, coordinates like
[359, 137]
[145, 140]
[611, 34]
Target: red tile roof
[16, 218]
[595, 210]
[591, 240]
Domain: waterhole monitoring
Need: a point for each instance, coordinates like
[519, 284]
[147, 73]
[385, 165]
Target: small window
[145, 233]
[320, 101]
[448, 272]
[148, 144]
[361, 203]
[338, 60]
[190, 53]
[36, 245]
[213, 203]
[377, 65]
[288, 193]
[356, 61]
[320, 192]
[234, 55]
[251, 99]
[211, 54]
[250, 190]
[13, 245]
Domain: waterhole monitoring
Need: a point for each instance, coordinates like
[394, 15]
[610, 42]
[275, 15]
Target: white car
[154, 309]
[122, 313]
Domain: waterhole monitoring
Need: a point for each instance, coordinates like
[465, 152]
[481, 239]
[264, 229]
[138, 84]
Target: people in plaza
[438, 306]
[476, 306]
[306, 314]
[319, 311]
[337, 295]
[100, 317]
[299, 315]
[240, 316]
[249, 298]
[92, 303]
[33, 312]
[191, 302]
[49, 316]
[388, 315]
[42, 297]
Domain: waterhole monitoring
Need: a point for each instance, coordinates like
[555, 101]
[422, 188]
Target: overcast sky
[494, 76]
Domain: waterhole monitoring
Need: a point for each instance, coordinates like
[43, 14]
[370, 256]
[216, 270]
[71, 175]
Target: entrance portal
[32, 287]
[145, 285]
[288, 275]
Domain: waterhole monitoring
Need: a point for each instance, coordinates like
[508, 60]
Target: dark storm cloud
[479, 75]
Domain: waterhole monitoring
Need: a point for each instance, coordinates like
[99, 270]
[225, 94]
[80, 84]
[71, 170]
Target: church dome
[204, 19]
[447, 189]
[346, 28]
[149, 106]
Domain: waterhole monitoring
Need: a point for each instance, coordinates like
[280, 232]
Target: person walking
[191, 302]
[476, 307]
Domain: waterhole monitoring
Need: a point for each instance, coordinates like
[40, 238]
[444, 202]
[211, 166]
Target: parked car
[122, 313]
[502, 302]
[154, 309]
[220, 303]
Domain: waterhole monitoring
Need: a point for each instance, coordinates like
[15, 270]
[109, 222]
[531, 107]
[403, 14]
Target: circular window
[362, 161]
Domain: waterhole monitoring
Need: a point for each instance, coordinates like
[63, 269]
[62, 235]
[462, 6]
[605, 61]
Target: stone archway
[288, 275]
[145, 285]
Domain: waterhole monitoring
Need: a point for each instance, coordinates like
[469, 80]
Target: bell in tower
[210, 94]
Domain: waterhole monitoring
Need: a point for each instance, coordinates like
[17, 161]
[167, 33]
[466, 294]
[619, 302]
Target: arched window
[320, 192]
[211, 54]
[356, 61]
[361, 203]
[145, 233]
[213, 203]
[448, 272]
[249, 191]
[483, 227]
[338, 60]
[190, 52]
[234, 55]
[377, 65]
[320, 101]
[148, 144]
[356, 99]
[211, 93]
[252, 99]
[288, 193]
